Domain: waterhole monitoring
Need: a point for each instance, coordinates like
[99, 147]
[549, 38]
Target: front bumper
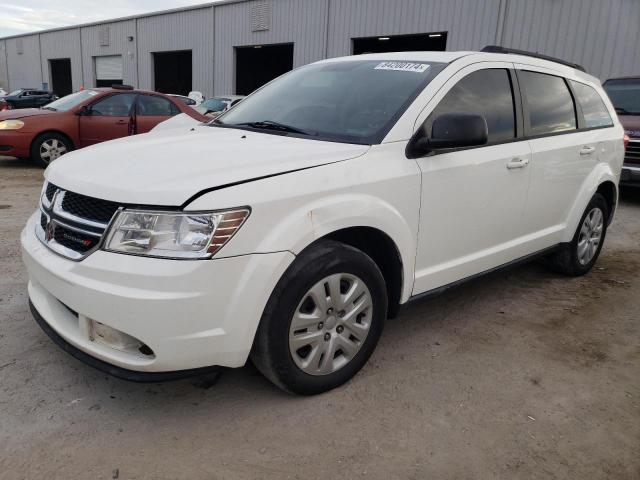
[15, 143]
[630, 175]
[191, 314]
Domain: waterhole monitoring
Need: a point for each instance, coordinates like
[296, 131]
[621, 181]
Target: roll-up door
[108, 70]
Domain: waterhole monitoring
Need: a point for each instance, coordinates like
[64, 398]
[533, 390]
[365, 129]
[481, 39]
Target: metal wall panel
[119, 44]
[470, 24]
[600, 35]
[24, 68]
[187, 30]
[62, 44]
[4, 74]
[301, 22]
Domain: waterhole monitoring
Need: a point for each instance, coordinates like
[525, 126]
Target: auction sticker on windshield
[403, 66]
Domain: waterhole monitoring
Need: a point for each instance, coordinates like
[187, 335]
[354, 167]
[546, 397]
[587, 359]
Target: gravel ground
[523, 374]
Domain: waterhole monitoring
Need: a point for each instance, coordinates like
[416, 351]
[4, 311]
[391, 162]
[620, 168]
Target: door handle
[517, 163]
[587, 150]
[122, 122]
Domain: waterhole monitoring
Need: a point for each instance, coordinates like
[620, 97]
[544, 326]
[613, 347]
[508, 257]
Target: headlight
[173, 234]
[11, 124]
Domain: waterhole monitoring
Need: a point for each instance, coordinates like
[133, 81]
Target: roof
[430, 56]
[448, 57]
[623, 78]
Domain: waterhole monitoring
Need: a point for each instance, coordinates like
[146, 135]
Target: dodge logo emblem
[50, 230]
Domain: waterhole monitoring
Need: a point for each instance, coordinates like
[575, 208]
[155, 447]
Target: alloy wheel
[590, 235]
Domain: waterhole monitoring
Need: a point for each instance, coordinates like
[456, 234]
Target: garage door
[108, 70]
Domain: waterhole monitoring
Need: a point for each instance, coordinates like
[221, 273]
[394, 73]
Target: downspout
[503, 9]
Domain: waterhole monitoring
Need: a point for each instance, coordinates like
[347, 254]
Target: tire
[572, 260]
[58, 145]
[350, 330]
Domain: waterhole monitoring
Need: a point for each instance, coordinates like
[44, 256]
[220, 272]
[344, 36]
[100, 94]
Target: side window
[150, 105]
[487, 93]
[548, 102]
[593, 108]
[118, 105]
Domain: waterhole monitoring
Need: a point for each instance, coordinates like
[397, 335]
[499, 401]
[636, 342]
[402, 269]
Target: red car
[84, 118]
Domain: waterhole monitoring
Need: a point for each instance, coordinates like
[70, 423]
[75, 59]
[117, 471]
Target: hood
[181, 120]
[631, 124]
[23, 112]
[168, 169]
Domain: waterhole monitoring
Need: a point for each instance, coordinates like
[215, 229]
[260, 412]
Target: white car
[216, 106]
[291, 227]
[3, 93]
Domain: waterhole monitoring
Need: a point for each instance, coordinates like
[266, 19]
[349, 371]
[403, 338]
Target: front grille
[72, 224]
[632, 155]
[50, 190]
[89, 207]
[74, 240]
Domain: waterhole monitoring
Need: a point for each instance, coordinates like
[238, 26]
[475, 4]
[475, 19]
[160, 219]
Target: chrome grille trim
[69, 228]
[60, 212]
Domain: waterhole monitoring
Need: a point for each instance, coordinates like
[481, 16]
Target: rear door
[563, 155]
[107, 118]
[473, 198]
[151, 110]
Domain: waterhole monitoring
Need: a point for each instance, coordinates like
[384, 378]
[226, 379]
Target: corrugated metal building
[233, 46]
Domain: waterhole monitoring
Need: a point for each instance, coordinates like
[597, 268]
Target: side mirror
[450, 130]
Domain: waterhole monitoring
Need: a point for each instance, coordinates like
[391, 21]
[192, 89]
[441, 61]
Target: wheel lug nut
[320, 325]
[327, 336]
[341, 313]
[330, 311]
[339, 329]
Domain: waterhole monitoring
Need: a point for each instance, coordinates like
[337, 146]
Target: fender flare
[320, 218]
[600, 174]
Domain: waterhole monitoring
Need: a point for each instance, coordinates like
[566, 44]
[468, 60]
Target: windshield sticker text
[403, 66]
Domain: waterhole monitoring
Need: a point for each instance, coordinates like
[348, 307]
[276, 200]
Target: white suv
[290, 228]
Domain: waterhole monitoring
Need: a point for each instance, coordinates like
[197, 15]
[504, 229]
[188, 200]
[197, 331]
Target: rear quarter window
[593, 108]
[549, 104]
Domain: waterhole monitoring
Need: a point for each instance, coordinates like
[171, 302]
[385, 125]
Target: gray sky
[23, 16]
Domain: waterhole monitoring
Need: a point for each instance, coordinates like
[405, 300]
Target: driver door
[473, 198]
[107, 118]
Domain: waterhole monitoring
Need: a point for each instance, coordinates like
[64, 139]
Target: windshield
[353, 101]
[216, 104]
[15, 92]
[625, 95]
[70, 101]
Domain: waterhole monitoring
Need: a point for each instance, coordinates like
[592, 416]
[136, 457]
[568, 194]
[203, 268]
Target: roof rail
[498, 49]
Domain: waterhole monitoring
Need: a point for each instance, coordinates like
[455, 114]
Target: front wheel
[579, 256]
[323, 319]
[48, 147]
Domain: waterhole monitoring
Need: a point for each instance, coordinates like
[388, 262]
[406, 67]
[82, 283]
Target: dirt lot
[524, 374]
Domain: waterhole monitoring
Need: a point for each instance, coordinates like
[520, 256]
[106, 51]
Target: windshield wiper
[50, 108]
[271, 125]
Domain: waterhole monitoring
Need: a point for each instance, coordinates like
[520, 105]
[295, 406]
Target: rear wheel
[322, 321]
[579, 256]
[49, 147]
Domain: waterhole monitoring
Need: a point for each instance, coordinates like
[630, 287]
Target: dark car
[26, 98]
[84, 118]
[625, 96]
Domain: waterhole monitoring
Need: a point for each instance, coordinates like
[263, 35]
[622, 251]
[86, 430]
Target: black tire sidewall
[37, 143]
[307, 270]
